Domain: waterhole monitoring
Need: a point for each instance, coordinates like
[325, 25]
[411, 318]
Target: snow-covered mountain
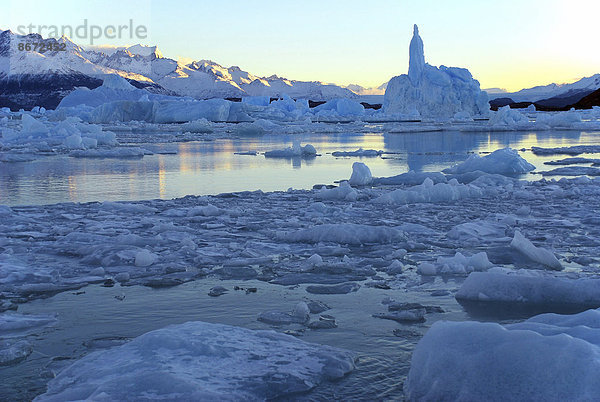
[360, 90]
[570, 92]
[29, 78]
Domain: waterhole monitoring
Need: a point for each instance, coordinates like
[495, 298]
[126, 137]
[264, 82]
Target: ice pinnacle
[417, 57]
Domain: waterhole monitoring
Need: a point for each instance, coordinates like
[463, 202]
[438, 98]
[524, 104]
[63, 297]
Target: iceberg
[433, 92]
[112, 89]
[201, 361]
[504, 161]
[361, 175]
[549, 357]
[295, 151]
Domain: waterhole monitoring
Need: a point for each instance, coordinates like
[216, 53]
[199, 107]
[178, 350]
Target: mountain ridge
[142, 66]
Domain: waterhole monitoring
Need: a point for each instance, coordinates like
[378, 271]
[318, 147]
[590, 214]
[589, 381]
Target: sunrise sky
[508, 44]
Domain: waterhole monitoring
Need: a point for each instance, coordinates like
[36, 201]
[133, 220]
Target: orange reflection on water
[72, 186]
[162, 182]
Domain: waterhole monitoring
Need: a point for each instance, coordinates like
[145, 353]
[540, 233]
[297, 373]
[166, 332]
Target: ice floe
[431, 193]
[549, 357]
[456, 265]
[537, 254]
[504, 161]
[295, 150]
[528, 287]
[199, 361]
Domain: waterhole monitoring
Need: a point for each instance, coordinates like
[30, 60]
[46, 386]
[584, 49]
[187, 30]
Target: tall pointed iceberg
[432, 92]
[416, 63]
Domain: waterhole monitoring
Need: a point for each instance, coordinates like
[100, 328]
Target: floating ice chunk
[572, 150]
[201, 361]
[412, 315]
[343, 192]
[309, 149]
[257, 100]
[13, 353]
[427, 268]
[145, 258]
[294, 151]
[207, 210]
[217, 291]
[479, 231]
[341, 107]
[301, 311]
[456, 265]
[361, 175]
[344, 233]
[411, 178]
[197, 126]
[249, 129]
[537, 254]
[73, 141]
[32, 126]
[127, 208]
[573, 161]
[573, 171]
[341, 288]
[124, 152]
[549, 357]
[462, 116]
[325, 322]
[317, 307]
[429, 192]
[359, 152]
[300, 315]
[114, 88]
[531, 288]
[504, 161]
[176, 111]
[509, 118]
[16, 157]
[314, 260]
[395, 268]
[559, 120]
[13, 324]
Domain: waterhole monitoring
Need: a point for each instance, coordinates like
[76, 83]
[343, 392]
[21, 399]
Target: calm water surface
[212, 167]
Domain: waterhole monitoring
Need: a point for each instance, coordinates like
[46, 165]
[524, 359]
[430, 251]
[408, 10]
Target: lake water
[212, 167]
[94, 315]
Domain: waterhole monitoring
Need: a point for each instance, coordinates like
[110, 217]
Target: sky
[506, 44]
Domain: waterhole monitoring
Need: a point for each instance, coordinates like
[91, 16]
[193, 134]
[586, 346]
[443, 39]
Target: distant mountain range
[552, 96]
[30, 78]
[359, 90]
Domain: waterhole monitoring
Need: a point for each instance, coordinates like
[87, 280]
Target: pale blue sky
[509, 44]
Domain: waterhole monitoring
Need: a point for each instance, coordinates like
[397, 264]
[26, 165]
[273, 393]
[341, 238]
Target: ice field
[366, 267]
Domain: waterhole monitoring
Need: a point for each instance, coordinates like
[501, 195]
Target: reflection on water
[212, 167]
